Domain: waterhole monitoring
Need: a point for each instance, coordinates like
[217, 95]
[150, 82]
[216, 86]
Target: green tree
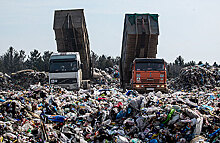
[179, 61]
[215, 64]
[9, 60]
[200, 63]
[101, 62]
[174, 68]
[1, 64]
[12, 60]
[35, 61]
[22, 57]
[109, 62]
[95, 58]
[46, 60]
[19, 58]
[190, 63]
[207, 64]
[116, 61]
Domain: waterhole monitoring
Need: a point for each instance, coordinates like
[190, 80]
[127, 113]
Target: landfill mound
[52, 114]
[196, 78]
[4, 81]
[22, 79]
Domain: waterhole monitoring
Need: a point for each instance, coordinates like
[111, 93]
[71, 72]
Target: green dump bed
[140, 39]
[72, 36]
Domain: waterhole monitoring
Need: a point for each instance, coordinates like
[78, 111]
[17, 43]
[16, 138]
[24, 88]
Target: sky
[188, 28]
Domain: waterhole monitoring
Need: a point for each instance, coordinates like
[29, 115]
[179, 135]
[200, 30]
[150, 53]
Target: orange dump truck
[139, 67]
[148, 74]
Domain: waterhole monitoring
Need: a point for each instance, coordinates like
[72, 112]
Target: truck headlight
[158, 85]
[137, 85]
[53, 80]
[162, 85]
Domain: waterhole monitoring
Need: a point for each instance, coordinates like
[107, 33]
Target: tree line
[103, 61]
[13, 61]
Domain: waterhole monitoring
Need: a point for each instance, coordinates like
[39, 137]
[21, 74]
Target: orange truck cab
[149, 75]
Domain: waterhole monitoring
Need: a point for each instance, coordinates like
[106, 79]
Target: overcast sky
[190, 28]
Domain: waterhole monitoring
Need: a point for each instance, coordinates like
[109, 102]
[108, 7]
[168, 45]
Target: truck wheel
[86, 84]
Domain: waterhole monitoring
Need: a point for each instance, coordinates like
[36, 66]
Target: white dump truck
[66, 70]
[71, 66]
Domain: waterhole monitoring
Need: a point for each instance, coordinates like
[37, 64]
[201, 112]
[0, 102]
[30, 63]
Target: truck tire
[86, 84]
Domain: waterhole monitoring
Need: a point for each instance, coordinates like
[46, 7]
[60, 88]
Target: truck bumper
[150, 87]
[73, 86]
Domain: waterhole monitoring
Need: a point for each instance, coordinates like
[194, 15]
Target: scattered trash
[25, 78]
[196, 78]
[43, 113]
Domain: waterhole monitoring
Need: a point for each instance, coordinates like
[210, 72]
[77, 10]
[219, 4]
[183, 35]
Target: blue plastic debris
[56, 118]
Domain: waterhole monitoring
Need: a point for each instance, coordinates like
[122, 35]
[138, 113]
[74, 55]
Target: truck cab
[149, 74]
[65, 70]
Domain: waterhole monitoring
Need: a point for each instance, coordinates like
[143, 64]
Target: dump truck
[72, 42]
[139, 67]
[65, 70]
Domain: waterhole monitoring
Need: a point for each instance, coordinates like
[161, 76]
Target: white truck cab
[65, 70]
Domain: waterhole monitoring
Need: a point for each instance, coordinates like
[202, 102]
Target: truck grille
[64, 81]
[150, 80]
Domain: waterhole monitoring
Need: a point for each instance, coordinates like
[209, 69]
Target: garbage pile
[107, 76]
[196, 78]
[101, 77]
[23, 79]
[4, 80]
[52, 114]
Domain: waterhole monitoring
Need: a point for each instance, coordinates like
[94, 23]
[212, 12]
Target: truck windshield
[149, 67]
[63, 66]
